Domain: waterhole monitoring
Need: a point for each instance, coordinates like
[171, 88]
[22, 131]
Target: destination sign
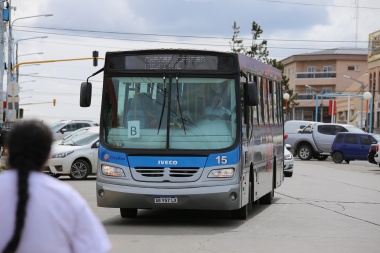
[170, 62]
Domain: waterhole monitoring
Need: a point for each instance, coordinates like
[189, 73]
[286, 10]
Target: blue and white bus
[188, 129]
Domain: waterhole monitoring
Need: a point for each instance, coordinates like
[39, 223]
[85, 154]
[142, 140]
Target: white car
[77, 132]
[76, 157]
[288, 161]
[63, 128]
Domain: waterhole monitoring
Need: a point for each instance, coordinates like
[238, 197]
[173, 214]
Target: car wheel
[337, 157]
[128, 212]
[288, 174]
[305, 152]
[321, 157]
[80, 169]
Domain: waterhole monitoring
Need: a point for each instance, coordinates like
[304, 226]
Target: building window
[353, 68]
[327, 90]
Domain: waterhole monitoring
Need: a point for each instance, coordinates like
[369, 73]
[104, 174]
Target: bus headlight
[222, 173]
[112, 171]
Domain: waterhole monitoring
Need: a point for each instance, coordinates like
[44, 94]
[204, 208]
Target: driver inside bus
[216, 109]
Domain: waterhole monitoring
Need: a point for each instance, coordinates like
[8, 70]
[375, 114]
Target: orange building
[323, 72]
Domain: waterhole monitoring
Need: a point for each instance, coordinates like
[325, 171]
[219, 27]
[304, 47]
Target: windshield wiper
[179, 105]
[163, 106]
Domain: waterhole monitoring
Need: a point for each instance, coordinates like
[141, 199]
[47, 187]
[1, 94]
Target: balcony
[309, 96]
[302, 75]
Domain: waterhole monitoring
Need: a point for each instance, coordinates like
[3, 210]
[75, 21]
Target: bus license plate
[165, 200]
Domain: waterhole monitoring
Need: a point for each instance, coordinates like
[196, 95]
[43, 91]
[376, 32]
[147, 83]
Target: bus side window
[264, 102]
[256, 111]
[270, 101]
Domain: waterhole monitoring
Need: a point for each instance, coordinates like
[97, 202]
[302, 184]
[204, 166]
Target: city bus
[188, 129]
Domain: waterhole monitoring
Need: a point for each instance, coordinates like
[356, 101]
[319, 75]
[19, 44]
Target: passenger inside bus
[141, 109]
[216, 109]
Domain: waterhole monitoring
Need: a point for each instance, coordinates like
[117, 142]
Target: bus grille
[166, 174]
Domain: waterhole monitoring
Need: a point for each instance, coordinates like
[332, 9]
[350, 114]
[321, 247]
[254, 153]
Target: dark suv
[352, 146]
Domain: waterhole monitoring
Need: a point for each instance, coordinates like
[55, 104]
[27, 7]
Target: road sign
[13, 88]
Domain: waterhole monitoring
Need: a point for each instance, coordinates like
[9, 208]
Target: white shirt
[57, 219]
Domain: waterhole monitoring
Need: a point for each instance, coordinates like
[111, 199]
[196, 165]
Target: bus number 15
[221, 159]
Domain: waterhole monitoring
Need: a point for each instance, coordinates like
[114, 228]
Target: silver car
[63, 128]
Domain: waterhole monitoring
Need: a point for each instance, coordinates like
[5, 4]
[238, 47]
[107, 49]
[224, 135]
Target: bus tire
[241, 213]
[267, 198]
[128, 212]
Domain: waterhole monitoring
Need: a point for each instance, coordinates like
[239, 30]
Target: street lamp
[361, 90]
[286, 96]
[10, 49]
[10, 41]
[30, 81]
[19, 55]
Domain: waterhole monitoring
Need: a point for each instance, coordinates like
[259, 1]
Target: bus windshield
[192, 113]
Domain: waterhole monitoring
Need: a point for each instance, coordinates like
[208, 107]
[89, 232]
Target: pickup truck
[315, 140]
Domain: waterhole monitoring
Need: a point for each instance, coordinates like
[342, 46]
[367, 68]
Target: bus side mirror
[85, 94]
[252, 95]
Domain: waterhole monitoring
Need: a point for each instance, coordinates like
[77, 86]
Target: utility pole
[2, 30]
[9, 64]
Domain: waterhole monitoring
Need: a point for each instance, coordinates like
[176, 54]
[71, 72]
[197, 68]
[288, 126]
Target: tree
[259, 51]
[236, 44]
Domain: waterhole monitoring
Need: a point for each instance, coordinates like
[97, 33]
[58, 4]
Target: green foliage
[236, 44]
[259, 51]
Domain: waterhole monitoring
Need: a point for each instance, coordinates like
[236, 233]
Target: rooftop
[341, 50]
[342, 53]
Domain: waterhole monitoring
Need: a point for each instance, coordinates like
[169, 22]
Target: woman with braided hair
[39, 213]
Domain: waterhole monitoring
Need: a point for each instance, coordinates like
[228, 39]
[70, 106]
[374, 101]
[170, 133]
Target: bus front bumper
[226, 197]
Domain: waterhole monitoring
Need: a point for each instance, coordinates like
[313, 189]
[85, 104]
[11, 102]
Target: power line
[320, 5]
[167, 35]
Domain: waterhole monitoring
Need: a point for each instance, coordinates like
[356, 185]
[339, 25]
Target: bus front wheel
[128, 212]
[241, 213]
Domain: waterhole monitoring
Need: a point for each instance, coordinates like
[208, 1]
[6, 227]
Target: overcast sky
[79, 27]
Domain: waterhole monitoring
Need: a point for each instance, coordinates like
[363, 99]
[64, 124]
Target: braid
[29, 144]
[22, 202]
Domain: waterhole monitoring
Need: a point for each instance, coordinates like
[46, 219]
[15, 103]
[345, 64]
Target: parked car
[295, 126]
[352, 146]
[373, 149]
[76, 157]
[315, 140]
[63, 128]
[376, 156]
[288, 161]
[76, 133]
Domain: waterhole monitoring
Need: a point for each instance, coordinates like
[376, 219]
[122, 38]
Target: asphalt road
[324, 207]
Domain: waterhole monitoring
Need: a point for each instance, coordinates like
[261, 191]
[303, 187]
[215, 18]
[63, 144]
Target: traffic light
[54, 101]
[95, 55]
[20, 113]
